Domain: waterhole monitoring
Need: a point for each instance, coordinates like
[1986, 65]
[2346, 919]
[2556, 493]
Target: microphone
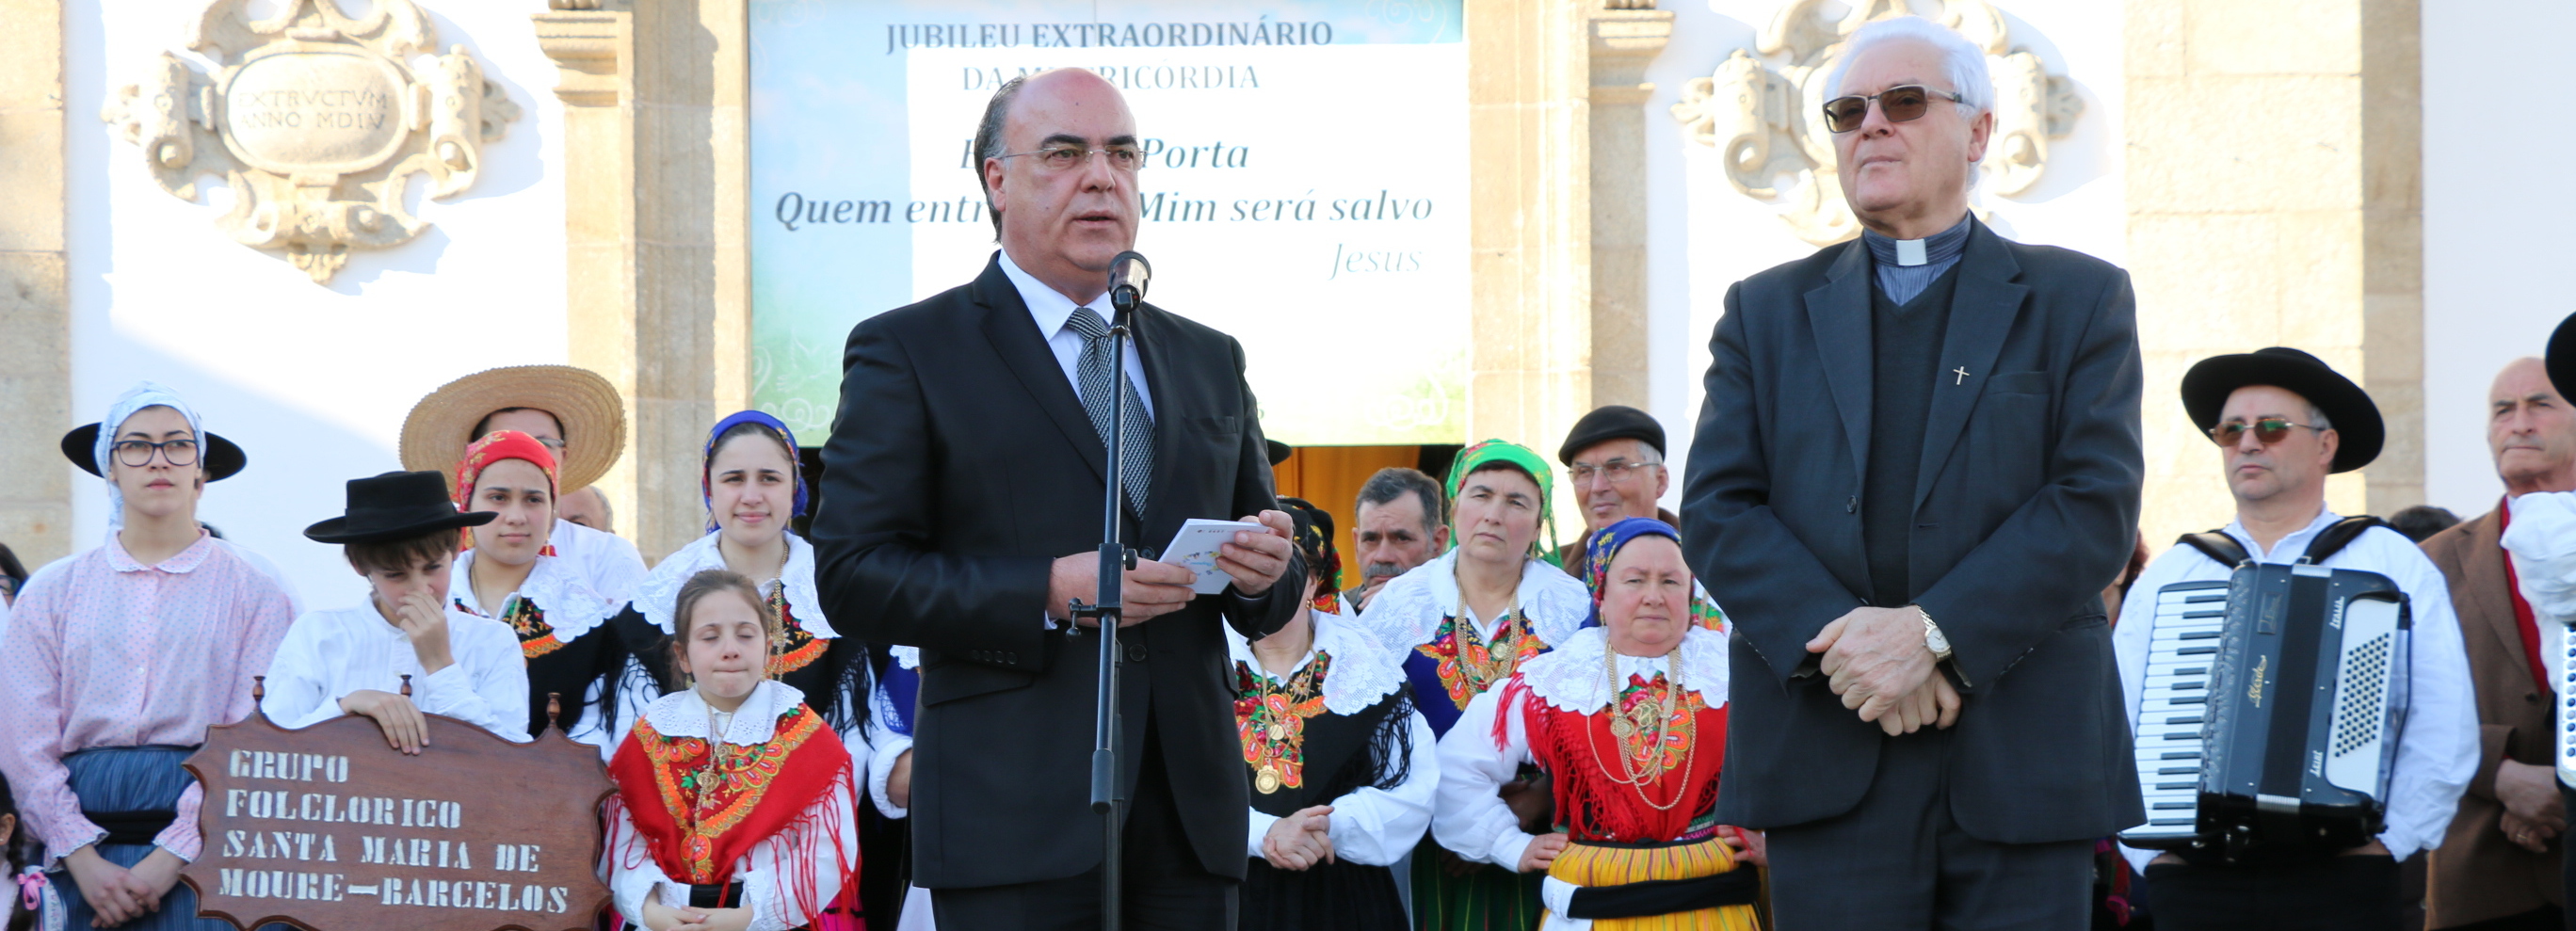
[1128, 274]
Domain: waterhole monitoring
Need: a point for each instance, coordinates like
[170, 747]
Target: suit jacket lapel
[1014, 335]
[2487, 598]
[1150, 351]
[1838, 313]
[1981, 314]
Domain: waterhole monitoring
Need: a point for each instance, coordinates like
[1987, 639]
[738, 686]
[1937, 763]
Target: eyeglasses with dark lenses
[1901, 104]
[138, 453]
[2267, 431]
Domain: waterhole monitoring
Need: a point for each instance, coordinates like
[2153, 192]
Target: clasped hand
[1255, 560]
[1878, 664]
[117, 894]
[1300, 840]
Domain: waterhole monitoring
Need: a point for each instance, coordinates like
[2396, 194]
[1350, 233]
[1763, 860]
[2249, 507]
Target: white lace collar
[1364, 671]
[1409, 610]
[1569, 678]
[570, 607]
[661, 589]
[684, 714]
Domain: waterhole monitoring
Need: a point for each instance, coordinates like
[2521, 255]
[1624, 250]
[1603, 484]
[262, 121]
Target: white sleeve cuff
[885, 757]
[1260, 828]
[1507, 849]
[1558, 896]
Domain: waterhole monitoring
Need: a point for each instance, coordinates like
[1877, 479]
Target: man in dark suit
[2498, 866]
[961, 513]
[1918, 465]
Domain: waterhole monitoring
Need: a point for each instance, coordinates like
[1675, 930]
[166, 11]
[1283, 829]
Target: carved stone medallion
[1767, 121]
[318, 121]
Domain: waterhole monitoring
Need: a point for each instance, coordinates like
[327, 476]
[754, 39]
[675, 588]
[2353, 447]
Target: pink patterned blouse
[102, 651]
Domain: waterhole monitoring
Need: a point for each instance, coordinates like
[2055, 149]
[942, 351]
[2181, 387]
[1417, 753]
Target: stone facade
[35, 303]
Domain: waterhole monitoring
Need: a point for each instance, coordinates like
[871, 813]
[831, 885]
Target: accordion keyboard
[2567, 706]
[2183, 645]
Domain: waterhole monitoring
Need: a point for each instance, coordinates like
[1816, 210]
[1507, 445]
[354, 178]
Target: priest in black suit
[1918, 466]
[960, 513]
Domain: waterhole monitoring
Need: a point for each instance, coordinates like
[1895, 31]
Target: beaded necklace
[1652, 721]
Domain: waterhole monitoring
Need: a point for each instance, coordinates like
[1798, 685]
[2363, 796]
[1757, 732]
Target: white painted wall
[1705, 236]
[312, 381]
[2495, 229]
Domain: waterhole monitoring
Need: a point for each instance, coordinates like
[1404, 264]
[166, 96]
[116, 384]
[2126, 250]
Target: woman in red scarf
[1629, 720]
[734, 800]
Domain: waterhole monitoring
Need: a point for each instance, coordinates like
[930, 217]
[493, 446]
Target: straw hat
[592, 415]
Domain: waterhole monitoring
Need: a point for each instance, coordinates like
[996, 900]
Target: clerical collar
[1938, 249]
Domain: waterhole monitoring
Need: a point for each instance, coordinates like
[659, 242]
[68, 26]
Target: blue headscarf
[1606, 544]
[706, 463]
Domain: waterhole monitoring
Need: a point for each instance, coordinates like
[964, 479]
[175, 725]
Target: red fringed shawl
[696, 832]
[1581, 757]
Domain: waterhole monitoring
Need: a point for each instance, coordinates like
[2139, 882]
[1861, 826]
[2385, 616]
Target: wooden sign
[329, 829]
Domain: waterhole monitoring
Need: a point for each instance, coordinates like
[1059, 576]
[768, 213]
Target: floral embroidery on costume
[707, 798]
[536, 637]
[1469, 665]
[1270, 722]
[799, 648]
[1639, 723]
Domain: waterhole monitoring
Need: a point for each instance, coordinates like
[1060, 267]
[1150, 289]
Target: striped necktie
[1097, 372]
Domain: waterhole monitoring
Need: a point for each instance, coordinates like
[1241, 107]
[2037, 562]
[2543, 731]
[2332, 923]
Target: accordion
[2271, 711]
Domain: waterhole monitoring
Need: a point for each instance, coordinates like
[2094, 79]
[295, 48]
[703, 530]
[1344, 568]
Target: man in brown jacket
[2499, 866]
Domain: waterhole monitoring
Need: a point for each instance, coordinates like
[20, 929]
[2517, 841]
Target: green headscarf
[1499, 452]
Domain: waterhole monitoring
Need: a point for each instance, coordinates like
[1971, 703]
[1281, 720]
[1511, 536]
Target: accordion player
[2271, 712]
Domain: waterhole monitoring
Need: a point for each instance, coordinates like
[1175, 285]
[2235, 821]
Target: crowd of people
[1916, 470]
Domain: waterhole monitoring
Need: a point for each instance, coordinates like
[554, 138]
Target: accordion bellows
[2271, 712]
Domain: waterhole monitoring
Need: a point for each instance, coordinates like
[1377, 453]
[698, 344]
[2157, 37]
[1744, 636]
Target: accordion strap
[2217, 545]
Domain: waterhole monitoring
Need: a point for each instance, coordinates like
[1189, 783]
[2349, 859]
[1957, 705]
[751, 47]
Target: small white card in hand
[1195, 547]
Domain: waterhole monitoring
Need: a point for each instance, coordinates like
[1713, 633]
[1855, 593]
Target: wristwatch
[1933, 640]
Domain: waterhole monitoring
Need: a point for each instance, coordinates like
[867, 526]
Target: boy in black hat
[2284, 421]
[405, 652]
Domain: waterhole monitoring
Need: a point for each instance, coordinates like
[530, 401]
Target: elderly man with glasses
[961, 513]
[1614, 458]
[1918, 463]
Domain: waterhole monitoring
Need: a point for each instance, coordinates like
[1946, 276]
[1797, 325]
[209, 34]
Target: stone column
[2274, 185]
[35, 304]
[655, 166]
[1624, 39]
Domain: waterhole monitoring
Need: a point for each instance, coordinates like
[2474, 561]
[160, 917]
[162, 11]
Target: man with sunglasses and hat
[1918, 463]
[407, 651]
[117, 660]
[2283, 422]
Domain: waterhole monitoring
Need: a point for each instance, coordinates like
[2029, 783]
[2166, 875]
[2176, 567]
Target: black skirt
[1327, 897]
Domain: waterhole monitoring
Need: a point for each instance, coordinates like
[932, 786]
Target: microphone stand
[1106, 609]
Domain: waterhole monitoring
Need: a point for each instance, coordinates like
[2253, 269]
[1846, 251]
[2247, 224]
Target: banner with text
[1305, 188]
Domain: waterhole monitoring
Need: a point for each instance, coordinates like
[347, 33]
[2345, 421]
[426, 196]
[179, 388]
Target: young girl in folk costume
[752, 488]
[509, 573]
[1342, 766]
[118, 659]
[1465, 621]
[1628, 719]
[735, 802]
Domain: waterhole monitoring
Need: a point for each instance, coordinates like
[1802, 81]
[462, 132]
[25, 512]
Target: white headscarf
[144, 394]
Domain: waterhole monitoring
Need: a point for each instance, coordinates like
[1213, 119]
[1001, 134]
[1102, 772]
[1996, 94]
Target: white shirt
[1051, 309]
[1369, 826]
[2542, 544]
[606, 562]
[766, 870]
[2437, 754]
[328, 654]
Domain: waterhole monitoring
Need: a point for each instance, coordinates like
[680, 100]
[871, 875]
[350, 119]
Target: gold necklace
[1497, 665]
[1274, 737]
[1630, 722]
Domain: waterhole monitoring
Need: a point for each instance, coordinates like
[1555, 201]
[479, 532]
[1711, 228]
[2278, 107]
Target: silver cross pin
[1962, 372]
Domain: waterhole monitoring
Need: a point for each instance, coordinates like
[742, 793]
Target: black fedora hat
[1279, 452]
[222, 459]
[2356, 420]
[393, 506]
[2561, 361]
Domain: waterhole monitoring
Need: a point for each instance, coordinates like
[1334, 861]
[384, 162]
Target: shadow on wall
[299, 467]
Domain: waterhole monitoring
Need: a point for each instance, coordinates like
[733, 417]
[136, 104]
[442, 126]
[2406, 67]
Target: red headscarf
[494, 447]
